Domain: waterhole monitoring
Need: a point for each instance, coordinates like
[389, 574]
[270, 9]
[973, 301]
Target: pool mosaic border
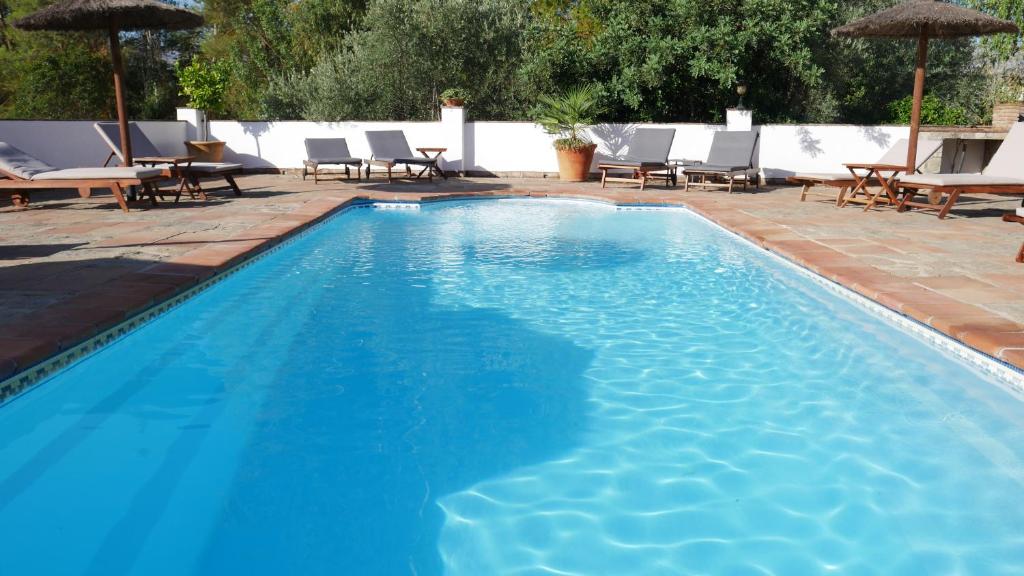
[23, 381]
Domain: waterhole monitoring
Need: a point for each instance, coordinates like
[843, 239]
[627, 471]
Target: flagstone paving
[71, 268]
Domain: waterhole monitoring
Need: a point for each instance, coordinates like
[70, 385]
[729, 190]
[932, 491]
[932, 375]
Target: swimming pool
[514, 387]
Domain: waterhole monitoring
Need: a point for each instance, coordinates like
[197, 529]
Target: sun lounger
[173, 166]
[1003, 175]
[328, 152]
[647, 153]
[22, 174]
[731, 156]
[896, 155]
[389, 148]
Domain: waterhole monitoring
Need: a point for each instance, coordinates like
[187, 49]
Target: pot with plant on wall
[204, 84]
[1009, 93]
[568, 116]
[454, 97]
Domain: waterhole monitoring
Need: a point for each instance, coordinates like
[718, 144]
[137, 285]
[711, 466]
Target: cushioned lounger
[896, 155]
[389, 148]
[23, 173]
[147, 153]
[1003, 175]
[329, 152]
[731, 155]
[648, 152]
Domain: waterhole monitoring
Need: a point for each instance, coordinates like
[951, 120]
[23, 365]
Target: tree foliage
[658, 60]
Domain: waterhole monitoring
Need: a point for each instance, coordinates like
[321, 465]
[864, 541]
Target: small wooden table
[886, 184]
[1012, 217]
[178, 169]
[434, 169]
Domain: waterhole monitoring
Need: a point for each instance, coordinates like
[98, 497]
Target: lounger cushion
[329, 151]
[826, 176]
[389, 145]
[142, 146]
[731, 151]
[615, 163]
[206, 167]
[338, 160]
[715, 168]
[1006, 162]
[420, 161]
[964, 180]
[20, 163]
[650, 145]
[130, 173]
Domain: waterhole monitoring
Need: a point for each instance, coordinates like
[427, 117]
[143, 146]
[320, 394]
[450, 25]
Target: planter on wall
[1005, 114]
[206, 150]
[454, 102]
[574, 164]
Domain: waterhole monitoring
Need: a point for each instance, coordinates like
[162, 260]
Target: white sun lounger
[21, 174]
[1003, 175]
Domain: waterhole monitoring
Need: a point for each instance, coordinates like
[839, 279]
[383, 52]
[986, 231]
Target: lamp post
[741, 90]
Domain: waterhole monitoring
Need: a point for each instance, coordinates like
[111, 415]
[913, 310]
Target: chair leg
[604, 176]
[198, 187]
[234, 186]
[907, 198]
[85, 192]
[803, 192]
[841, 197]
[118, 192]
[1020, 254]
[148, 187]
[732, 179]
[643, 179]
[953, 196]
[389, 173]
[348, 174]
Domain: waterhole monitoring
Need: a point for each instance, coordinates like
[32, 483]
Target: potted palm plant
[568, 116]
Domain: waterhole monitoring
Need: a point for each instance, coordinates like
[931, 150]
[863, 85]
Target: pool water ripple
[514, 387]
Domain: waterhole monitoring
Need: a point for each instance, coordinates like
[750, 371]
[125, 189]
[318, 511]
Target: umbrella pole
[122, 112]
[915, 111]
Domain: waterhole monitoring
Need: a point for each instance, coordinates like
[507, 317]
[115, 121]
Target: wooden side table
[177, 168]
[435, 169]
[1012, 217]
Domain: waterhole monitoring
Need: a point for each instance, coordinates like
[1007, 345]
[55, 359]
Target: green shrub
[204, 84]
[934, 111]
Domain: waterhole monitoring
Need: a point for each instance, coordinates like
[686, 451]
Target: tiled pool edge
[26, 379]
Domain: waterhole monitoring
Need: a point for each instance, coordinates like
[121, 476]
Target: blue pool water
[514, 387]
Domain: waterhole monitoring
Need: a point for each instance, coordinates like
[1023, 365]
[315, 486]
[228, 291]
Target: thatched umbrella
[112, 16]
[923, 19]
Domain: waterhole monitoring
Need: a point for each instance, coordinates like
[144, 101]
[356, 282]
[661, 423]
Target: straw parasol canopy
[923, 19]
[112, 16]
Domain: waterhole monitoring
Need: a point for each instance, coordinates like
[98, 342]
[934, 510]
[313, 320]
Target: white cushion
[961, 180]
[823, 176]
[204, 167]
[133, 172]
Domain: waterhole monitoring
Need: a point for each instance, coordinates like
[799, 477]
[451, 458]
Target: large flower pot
[574, 164]
[206, 150]
[1005, 114]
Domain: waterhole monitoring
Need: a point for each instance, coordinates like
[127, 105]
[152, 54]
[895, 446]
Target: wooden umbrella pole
[122, 112]
[915, 111]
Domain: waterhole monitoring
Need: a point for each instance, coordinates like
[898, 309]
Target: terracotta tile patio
[71, 268]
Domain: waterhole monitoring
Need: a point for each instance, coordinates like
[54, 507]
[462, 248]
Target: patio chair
[896, 155]
[389, 148]
[647, 153]
[1003, 175]
[173, 166]
[22, 174]
[731, 155]
[329, 152]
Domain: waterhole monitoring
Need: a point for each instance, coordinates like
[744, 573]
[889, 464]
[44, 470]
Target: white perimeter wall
[76, 144]
[496, 147]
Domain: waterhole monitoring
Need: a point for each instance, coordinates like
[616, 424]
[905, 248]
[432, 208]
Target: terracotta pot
[1005, 114]
[206, 151]
[454, 102]
[574, 165]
